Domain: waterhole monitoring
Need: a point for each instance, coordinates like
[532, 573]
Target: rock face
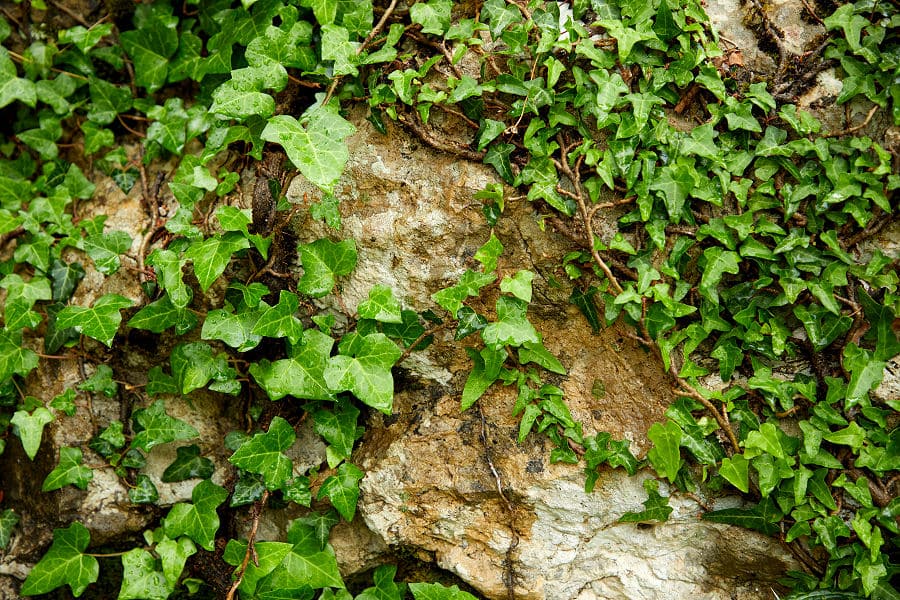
[455, 487]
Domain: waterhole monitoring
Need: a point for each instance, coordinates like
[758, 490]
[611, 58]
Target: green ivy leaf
[343, 490]
[485, 371]
[656, 506]
[307, 564]
[665, 456]
[853, 435]
[107, 101]
[717, 262]
[8, 521]
[99, 322]
[233, 328]
[470, 284]
[763, 517]
[144, 490]
[150, 47]
[14, 358]
[194, 365]
[519, 285]
[338, 428]
[735, 471]
[30, 428]
[674, 183]
[153, 426]
[512, 326]
[381, 306]
[488, 254]
[302, 374]
[433, 15]
[538, 354]
[364, 368]
[385, 587]
[168, 265]
[315, 144]
[263, 454]
[212, 255]
[436, 591]
[197, 520]
[188, 464]
[279, 321]
[140, 579]
[267, 556]
[64, 563]
[101, 382]
[162, 314]
[69, 471]
[323, 260]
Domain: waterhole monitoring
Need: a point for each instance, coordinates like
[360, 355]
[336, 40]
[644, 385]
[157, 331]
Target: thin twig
[582, 207]
[251, 538]
[411, 348]
[812, 13]
[61, 6]
[855, 128]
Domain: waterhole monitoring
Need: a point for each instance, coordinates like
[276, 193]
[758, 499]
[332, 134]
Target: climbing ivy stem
[251, 539]
[585, 214]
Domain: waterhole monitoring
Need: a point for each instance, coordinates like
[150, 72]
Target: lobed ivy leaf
[343, 489]
[153, 426]
[30, 428]
[279, 321]
[69, 471]
[512, 326]
[307, 564]
[338, 427]
[470, 284]
[99, 322]
[188, 464]
[433, 15]
[162, 314]
[15, 359]
[717, 262]
[107, 101]
[488, 254]
[302, 374]
[519, 285]
[194, 365]
[197, 520]
[656, 506]
[268, 555]
[385, 587]
[212, 255]
[144, 490]
[263, 454]
[763, 517]
[381, 306]
[233, 328]
[101, 382]
[64, 564]
[141, 580]
[538, 354]
[323, 260]
[64, 278]
[150, 46]
[315, 144]
[364, 368]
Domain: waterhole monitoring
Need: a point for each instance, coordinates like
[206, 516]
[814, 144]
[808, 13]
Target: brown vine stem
[251, 538]
[411, 348]
[585, 214]
[855, 128]
[375, 31]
